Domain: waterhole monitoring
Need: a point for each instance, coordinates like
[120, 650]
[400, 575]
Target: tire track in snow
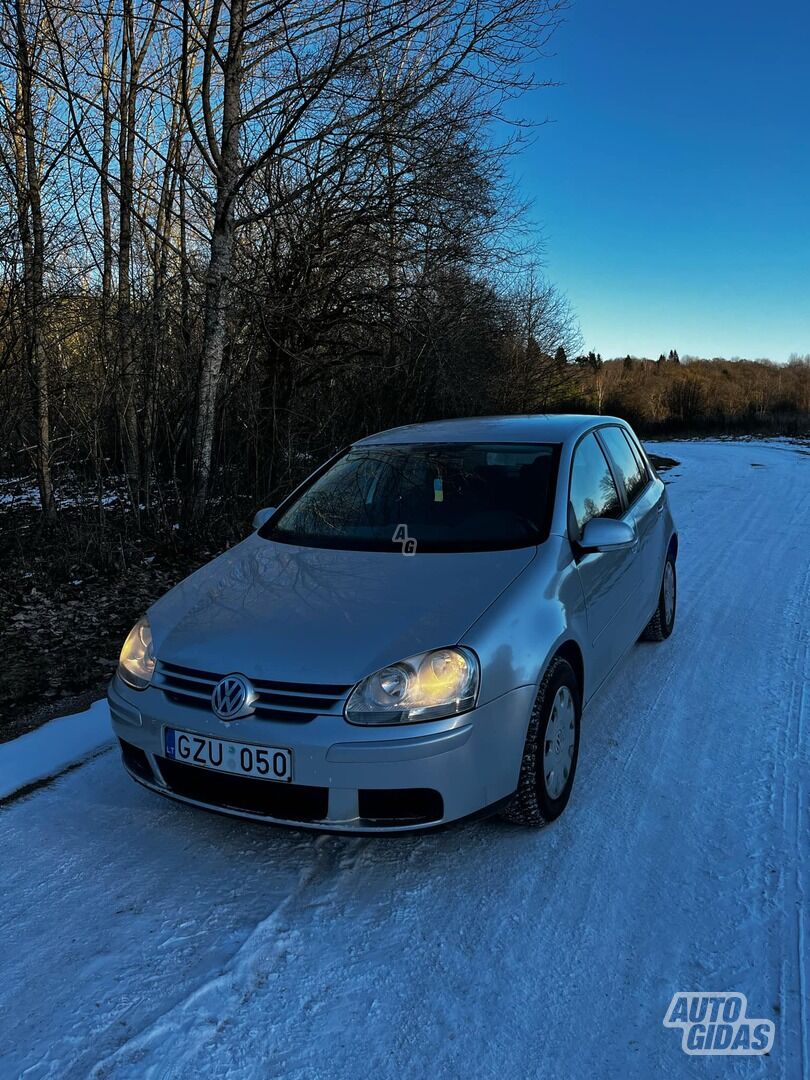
[791, 779]
[233, 987]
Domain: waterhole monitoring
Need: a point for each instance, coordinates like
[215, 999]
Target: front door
[644, 495]
[610, 579]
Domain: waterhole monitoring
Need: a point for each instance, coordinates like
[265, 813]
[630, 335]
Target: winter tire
[660, 625]
[551, 751]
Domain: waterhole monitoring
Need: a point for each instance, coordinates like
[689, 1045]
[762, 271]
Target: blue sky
[673, 184]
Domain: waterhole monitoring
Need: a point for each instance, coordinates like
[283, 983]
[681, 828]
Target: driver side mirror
[607, 534]
[262, 516]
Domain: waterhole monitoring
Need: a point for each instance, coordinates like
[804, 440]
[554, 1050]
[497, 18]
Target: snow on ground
[143, 939]
[17, 492]
[52, 747]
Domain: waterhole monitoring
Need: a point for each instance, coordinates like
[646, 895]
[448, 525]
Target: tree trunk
[128, 414]
[216, 301]
[107, 342]
[32, 235]
[219, 264]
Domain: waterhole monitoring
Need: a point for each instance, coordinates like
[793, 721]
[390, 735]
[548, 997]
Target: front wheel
[551, 750]
[660, 625]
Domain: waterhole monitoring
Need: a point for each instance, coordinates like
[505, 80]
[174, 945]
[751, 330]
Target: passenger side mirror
[262, 516]
[607, 534]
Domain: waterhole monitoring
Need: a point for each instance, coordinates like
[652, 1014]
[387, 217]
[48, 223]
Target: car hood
[277, 611]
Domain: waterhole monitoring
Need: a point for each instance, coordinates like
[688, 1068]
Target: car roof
[540, 428]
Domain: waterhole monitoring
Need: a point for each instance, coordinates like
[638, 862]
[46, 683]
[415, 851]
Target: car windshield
[424, 497]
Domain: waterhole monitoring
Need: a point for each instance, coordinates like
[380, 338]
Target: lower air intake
[287, 802]
[136, 761]
[400, 806]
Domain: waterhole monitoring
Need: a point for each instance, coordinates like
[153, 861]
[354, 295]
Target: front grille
[287, 802]
[287, 701]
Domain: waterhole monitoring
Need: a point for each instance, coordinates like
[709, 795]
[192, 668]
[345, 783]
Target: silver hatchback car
[410, 638]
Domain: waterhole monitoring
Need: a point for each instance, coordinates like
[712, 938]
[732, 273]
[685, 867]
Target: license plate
[222, 755]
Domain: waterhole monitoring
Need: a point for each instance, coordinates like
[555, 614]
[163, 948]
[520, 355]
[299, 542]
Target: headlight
[136, 663]
[427, 686]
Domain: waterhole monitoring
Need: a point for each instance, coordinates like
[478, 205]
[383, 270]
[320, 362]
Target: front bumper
[345, 777]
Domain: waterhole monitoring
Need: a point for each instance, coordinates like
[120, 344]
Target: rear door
[643, 497]
[610, 579]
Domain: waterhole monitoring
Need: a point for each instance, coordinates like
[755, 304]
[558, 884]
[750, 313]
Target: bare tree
[252, 227]
[293, 80]
[26, 130]
[535, 375]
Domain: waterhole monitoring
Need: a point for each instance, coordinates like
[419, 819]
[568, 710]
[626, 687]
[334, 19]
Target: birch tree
[281, 80]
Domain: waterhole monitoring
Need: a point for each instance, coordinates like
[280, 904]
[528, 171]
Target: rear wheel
[660, 625]
[551, 750]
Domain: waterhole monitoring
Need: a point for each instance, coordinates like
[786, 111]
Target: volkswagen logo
[233, 697]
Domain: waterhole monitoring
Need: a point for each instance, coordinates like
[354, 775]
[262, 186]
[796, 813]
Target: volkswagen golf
[411, 636]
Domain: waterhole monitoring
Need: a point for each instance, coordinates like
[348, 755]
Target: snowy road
[143, 939]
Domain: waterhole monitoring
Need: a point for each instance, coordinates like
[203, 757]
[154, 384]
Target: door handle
[660, 508]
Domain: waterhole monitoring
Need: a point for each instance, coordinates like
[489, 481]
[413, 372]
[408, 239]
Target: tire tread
[656, 629]
[524, 808]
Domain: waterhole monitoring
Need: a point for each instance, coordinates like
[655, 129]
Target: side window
[593, 492]
[627, 463]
